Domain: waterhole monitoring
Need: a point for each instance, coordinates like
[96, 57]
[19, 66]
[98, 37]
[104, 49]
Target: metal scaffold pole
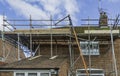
[3, 39]
[18, 46]
[31, 36]
[51, 37]
[70, 52]
[89, 43]
[113, 52]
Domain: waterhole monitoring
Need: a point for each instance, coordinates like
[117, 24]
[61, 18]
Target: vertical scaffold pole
[18, 46]
[89, 43]
[113, 52]
[70, 51]
[51, 37]
[31, 36]
[3, 38]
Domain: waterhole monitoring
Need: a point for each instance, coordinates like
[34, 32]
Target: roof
[36, 63]
[60, 30]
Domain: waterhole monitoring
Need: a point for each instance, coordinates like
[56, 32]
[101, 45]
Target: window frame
[92, 74]
[19, 72]
[26, 72]
[31, 72]
[45, 72]
[42, 72]
[93, 44]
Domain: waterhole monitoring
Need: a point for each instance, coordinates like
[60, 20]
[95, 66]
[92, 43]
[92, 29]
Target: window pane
[20, 74]
[32, 74]
[44, 74]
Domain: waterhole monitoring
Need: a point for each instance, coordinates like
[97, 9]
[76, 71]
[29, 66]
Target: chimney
[103, 20]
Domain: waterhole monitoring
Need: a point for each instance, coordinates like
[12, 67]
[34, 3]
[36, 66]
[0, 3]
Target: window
[93, 50]
[32, 74]
[20, 74]
[92, 72]
[44, 74]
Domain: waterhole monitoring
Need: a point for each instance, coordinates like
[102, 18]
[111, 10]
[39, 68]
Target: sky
[43, 9]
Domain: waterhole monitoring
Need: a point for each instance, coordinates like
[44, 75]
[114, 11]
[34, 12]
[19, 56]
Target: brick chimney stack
[103, 20]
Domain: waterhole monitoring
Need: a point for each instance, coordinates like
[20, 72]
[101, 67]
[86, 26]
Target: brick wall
[63, 71]
[104, 60]
[3, 73]
[11, 52]
[60, 50]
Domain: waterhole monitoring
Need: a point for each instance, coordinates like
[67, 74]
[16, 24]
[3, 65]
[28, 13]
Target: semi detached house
[67, 51]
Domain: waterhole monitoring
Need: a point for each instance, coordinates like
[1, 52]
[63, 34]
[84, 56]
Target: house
[55, 52]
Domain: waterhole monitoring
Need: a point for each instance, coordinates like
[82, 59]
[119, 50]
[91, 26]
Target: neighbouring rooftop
[38, 62]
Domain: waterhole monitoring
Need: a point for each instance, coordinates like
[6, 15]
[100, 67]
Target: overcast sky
[42, 9]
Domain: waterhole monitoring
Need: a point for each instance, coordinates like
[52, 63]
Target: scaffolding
[111, 26]
[51, 29]
[31, 34]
